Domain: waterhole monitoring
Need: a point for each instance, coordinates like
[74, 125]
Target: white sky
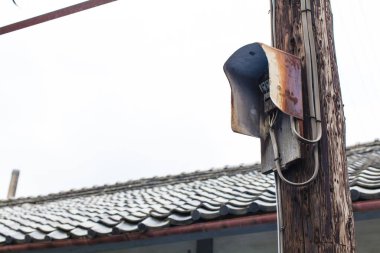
[136, 89]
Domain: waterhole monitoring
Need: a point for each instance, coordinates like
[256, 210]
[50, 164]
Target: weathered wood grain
[317, 218]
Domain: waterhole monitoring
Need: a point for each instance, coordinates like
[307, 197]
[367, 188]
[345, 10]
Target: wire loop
[303, 139]
[278, 165]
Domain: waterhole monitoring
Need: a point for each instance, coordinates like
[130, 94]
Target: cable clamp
[305, 6]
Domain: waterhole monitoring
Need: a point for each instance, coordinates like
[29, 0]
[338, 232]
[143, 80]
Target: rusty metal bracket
[264, 80]
[260, 75]
[285, 84]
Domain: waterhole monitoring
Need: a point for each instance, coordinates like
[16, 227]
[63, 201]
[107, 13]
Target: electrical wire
[311, 75]
[277, 159]
[314, 109]
[280, 222]
[303, 139]
[312, 88]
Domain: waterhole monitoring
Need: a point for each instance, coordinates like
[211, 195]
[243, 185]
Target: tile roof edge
[142, 183]
[363, 147]
[207, 226]
[240, 222]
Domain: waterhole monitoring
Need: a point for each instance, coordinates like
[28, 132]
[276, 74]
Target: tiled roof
[159, 202]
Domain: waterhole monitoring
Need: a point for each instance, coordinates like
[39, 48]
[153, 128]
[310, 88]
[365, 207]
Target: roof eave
[240, 222]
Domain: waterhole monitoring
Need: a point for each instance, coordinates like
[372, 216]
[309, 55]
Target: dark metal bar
[53, 15]
[205, 246]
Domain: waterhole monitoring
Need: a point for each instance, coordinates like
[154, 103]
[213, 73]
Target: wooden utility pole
[317, 217]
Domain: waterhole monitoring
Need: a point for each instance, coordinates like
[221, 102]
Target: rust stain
[287, 94]
[285, 81]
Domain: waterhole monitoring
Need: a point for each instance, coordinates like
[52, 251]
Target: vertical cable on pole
[280, 225]
[314, 107]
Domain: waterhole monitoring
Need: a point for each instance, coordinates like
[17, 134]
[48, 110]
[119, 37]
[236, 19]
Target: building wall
[264, 242]
[367, 233]
[260, 242]
[179, 247]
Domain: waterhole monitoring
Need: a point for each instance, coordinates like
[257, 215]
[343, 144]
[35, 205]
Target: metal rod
[280, 221]
[53, 15]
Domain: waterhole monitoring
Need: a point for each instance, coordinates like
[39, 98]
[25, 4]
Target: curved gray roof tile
[154, 203]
